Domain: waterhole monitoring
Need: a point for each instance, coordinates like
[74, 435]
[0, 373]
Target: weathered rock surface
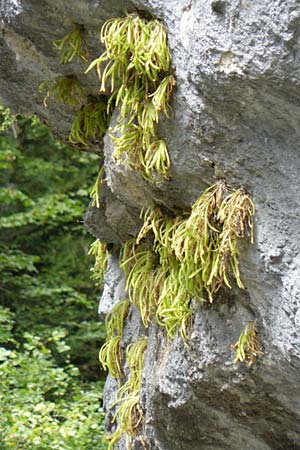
[236, 116]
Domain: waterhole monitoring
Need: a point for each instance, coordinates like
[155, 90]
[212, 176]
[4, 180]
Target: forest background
[50, 377]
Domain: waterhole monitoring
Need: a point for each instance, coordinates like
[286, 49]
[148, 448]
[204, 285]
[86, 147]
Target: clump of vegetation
[65, 89]
[142, 278]
[110, 354]
[137, 64]
[72, 45]
[189, 256]
[247, 348]
[90, 122]
[206, 243]
[99, 250]
[129, 413]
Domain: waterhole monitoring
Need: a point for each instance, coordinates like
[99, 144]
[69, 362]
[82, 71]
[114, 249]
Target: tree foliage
[49, 333]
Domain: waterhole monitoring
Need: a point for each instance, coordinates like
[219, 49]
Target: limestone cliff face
[236, 116]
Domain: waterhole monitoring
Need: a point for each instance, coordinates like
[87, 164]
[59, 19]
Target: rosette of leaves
[135, 67]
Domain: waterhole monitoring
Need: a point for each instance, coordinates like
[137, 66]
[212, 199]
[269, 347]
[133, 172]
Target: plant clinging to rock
[100, 251]
[136, 70]
[72, 45]
[129, 413]
[206, 243]
[90, 122]
[94, 192]
[65, 89]
[110, 354]
[114, 320]
[142, 278]
[175, 259]
[247, 348]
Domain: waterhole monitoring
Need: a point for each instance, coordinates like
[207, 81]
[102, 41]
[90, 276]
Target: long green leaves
[64, 89]
[110, 354]
[192, 256]
[144, 280]
[247, 348]
[129, 413]
[136, 65]
[90, 123]
[206, 243]
[72, 45]
[94, 192]
[99, 249]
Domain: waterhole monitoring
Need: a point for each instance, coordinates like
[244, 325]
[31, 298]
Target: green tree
[49, 332]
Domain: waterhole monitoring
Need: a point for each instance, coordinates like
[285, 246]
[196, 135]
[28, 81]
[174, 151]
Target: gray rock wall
[236, 116]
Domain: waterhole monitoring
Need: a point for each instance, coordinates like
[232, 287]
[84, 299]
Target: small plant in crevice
[137, 72]
[129, 414]
[95, 191]
[110, 354]
[64, 89]
[247, 348]
[99, 250]
[90, 122]
[72, 45]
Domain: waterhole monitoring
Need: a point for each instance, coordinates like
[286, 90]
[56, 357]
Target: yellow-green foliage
[142, 278]
[191, 256]
[136, 68]
[90, 123]
[115, 318]
[72, 45]
[129, 413]
[247, 348]
[110, 354]
[206, 243]
[94, 192]
[64, 89]
[99, 249]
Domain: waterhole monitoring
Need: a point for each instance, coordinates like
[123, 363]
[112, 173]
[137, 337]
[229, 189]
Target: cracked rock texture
[236, 116]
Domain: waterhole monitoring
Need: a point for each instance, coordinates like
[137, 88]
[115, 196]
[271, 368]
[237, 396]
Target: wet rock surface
[236, 117]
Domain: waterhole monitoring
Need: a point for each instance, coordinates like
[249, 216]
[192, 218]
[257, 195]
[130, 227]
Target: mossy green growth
[99, 250]
[247, 348]
[137, 73]
[72, 45]
[129, 413]
[64, 89]
[175, 259]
